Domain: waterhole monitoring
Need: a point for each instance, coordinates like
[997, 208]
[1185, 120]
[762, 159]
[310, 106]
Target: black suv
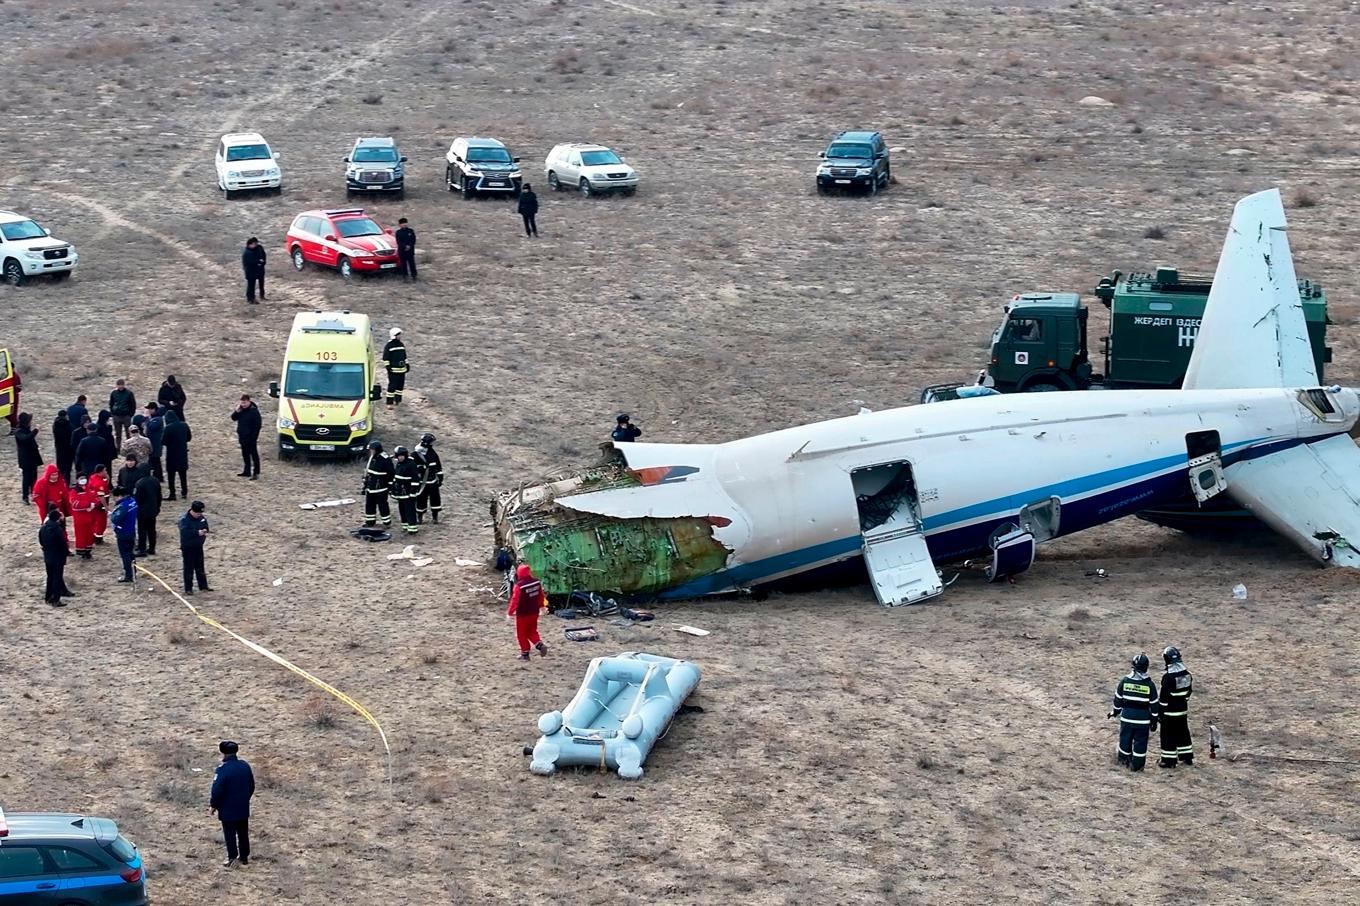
[854, 160]
[68, 860]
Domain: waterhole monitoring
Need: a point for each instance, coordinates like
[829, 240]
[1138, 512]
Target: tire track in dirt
[301, 297]
[1325, 845]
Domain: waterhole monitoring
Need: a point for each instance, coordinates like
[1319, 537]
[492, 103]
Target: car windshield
[248, 152]
[24, 229]
[599, 158]
[324, 381]
[374, 155]
[358, 226]
[848, 152]
[489, 155]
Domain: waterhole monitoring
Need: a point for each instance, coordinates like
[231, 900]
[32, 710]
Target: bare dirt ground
[949, 753]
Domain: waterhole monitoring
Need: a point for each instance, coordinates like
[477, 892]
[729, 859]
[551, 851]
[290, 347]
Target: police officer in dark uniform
[1135, 701]
[429, 499]
[394, 360]
[624, 429]
[1175, 711]
[377, 482]
[406, 249]
[409, 477]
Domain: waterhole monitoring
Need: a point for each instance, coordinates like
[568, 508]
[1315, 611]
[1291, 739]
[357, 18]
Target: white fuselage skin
[975, 462]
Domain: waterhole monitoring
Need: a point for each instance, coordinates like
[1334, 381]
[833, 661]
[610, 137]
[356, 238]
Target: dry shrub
[435, 791]
[320, 712]
[1304, 199]
[822, 93]
[179, 792]
[1154, 232]
[429, 658]
[372, 99]
[108, 49]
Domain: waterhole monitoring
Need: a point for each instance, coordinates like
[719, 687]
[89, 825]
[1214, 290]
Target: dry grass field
[949, 753]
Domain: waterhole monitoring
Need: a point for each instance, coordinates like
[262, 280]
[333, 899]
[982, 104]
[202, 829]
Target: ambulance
[327, 389]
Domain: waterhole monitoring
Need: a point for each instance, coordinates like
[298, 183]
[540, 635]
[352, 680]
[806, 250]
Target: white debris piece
[691, 630]
[1239, 592]
[423, 561]
[342, 501]
[464, 561]
[278, 582]
[1239, 152]
[1092, 100]
[407, 553]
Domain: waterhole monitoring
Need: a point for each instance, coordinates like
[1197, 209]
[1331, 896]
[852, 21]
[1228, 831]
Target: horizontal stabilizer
[1310, 494]
[1253, 333]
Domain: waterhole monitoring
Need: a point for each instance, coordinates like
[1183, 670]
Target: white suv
[28, 250]
[590, 169]
[244, 162]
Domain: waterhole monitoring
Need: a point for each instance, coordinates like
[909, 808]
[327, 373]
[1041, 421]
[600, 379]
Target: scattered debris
[278, 582]
[464, 561]
[1239, 592]
[1097, 574]
[1092, 100]
[422, 561]
[407, 553]
[637, 616]
[1215, 741]
[690, 630]
[371, 534]
[1239, 152]
[341, 501]
[581, 633]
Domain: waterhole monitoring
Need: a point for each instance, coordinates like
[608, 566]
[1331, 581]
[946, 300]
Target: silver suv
[477, 165]
[375, 165]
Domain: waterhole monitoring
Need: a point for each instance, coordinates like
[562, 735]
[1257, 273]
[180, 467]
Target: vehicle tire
[873, 186]
[345, 268]
[468, 190]
[278, 190]
[821, 189]
[553, 182]
[13, 272]
[226, 194]
[448, 178]
[299, 262]
[1043, 387]
[349, 193]
[285, 456]
[61, 275]
[401, 194]
[585, 188]
[630, 192]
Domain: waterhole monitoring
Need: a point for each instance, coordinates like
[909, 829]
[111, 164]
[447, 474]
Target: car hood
[253, 163]
[846, 163]
[376, 165]
[493, 167]
[607, 168]
[38, 243]
[383, 243]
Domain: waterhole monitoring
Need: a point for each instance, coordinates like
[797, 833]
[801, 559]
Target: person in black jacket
[130, 473]
[175, 446]
[171, 396]
[248, 421]
[77, 411]
[528, 209]
[408, 477]
[377, 482]
[625, 431]
[122, 406]
[56, 550]
[252, 262]
[26, 448]
[233, 785]
[193, 531]
[147, 493]
[394, 360]
[105, 428]
[64, 450]
[406, 249]
[429, 499]
[1135, 704]
[93, 450]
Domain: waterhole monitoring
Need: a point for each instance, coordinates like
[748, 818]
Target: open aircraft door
[895, 552]
[8, 385]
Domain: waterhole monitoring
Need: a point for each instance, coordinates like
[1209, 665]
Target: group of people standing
[1141, 708]
[411, 478]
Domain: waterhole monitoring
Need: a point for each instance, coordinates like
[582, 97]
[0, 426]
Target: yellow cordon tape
[284, 662]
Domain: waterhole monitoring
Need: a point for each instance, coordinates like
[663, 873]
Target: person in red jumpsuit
[51, 488]
[84, 504]
[99, 482]
[526, 600]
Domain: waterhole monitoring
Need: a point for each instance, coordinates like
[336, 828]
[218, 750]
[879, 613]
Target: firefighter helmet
[401, 451]
[375, 446]
[1171, 654]
[427, 438]
[1140, 662]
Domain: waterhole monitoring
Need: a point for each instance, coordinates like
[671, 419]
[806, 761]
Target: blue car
[67, 860]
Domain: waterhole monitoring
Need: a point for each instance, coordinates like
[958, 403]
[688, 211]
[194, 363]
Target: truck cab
[327, 389]
[1041, 345]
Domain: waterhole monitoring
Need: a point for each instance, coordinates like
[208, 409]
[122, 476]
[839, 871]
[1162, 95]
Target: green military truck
[1041, 344]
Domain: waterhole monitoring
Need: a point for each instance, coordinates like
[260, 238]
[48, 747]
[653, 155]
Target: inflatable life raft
[622, 708]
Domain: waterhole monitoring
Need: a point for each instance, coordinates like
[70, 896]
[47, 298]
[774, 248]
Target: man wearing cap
[624, 429]
[233, 785]
[394, 360]
[252, 262]
[193, 532]
[406, 249]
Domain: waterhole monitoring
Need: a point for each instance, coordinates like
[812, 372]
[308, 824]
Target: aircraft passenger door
[1206, 464]
[6, 384]
[895, 552]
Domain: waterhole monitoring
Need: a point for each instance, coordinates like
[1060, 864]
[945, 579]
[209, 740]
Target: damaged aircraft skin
[989, 477]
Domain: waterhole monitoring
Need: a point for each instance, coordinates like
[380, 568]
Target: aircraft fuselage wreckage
[990, 477]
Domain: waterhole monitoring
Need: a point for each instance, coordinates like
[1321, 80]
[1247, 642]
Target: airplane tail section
[1253, 333]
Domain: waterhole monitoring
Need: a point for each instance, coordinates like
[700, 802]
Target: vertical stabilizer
[1253, 333]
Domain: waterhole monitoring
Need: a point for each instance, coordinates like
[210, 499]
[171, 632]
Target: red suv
[347, 240]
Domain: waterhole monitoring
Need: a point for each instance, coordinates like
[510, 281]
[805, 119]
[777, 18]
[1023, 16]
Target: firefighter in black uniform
[429, 499]
[406, 249]
[394, 360]
[1135, 701]
[377, 482]
[406, 488]
[1175, 711]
